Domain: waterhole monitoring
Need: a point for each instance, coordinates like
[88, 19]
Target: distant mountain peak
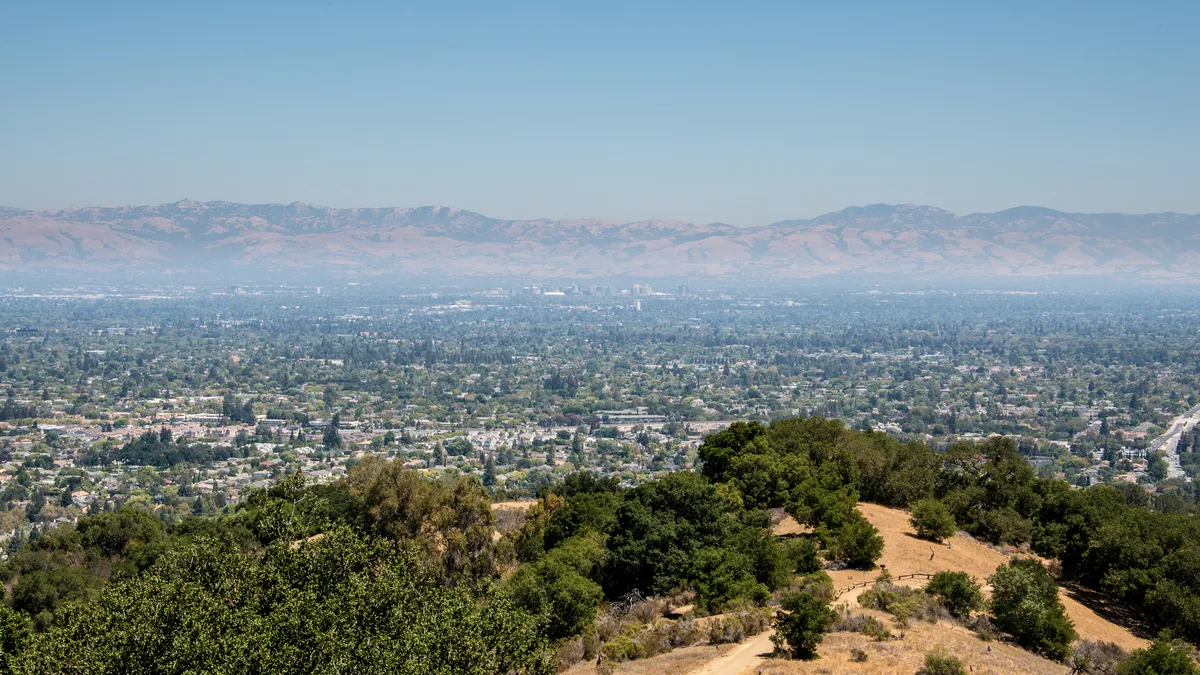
[1025, 213]
[872, 239]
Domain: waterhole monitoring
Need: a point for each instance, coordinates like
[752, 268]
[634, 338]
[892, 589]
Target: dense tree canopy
[273, 570]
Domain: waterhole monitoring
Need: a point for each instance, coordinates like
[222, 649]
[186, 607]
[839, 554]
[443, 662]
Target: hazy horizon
[747, 226]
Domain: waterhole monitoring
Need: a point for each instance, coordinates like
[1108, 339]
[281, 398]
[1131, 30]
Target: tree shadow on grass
[1110, 610]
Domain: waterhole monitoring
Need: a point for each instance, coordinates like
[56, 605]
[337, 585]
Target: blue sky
[741, 112]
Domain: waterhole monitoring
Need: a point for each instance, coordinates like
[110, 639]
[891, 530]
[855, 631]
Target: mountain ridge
[876, 238]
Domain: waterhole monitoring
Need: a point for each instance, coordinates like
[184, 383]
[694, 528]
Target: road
[1169, 441]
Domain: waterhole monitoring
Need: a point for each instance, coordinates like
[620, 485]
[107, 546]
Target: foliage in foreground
[343, 603]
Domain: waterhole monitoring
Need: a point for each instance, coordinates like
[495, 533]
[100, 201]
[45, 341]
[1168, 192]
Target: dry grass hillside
[908, 655]
[903, 553]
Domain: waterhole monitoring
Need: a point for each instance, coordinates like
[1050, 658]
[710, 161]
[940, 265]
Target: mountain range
[881, 239]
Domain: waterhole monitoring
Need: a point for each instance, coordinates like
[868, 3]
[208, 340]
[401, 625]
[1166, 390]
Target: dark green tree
[489, 471]
[1026, 605]
[960, 594]
[857, 543]
[332, 438]
[932, 520]
[801, 623]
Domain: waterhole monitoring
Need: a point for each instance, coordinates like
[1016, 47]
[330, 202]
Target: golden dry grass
[908, 655]
[510, 516]
[676, 662]
[903, 553]
[789, 527]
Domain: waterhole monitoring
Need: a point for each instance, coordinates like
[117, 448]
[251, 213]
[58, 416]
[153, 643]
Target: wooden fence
[862, 584]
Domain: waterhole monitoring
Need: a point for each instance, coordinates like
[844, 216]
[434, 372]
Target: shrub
[737, 626]
[875, 630]
[755, 620]
[818, 583]
[957, 591]
[725, 630]
[14, 634]
[983, 627]
[648, 610]
[656, 638]
[567, 599]
[932, 520]
[802, 622]
[938, 663]
[1096, 658]
[570, 652]
[902, 602]
[1164, 656]
[1026, 605]
[861, 623]
[623, 648]
[1004, 526]
[858, 655]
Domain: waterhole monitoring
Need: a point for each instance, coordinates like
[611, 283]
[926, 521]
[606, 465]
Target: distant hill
[883, 239]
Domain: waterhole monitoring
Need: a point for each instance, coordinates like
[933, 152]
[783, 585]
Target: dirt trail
[746, 655]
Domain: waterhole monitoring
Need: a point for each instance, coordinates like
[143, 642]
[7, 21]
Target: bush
[725, 630]
[957, 591]
[902, 602]
[738, 626]
[937, 663]
[1096, 658]
[647, 610]
[623, 637]
[1164, 656]
[623, 648]
[212, 606]
[983, 627]
[858, 655]
[1026, 605]
[875, 630]
[861, 623]
[932, 520]
[14, 634]
[802, 622]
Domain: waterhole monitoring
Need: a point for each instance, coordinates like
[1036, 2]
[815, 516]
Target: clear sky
[741, 112]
